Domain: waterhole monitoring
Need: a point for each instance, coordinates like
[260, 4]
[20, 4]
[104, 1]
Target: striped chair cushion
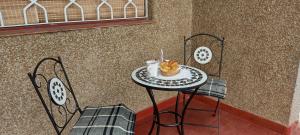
[213, 87]
[107, 120]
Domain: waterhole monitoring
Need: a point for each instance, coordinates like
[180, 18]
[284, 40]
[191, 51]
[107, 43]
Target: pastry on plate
[169, 68]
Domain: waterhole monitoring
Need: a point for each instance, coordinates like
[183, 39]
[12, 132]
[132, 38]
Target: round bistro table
[188, 78]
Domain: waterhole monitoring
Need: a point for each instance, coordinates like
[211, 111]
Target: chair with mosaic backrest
[54, 89]
[208, 56]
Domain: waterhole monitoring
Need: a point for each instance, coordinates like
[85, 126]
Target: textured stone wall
[262, 51]
[99, 63]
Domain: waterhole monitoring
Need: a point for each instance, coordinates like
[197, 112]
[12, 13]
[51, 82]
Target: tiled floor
[230, 124]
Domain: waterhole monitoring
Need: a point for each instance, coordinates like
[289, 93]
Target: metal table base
[179, 124]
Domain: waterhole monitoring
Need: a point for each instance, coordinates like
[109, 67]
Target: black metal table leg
[196, 79]
[153, 123]
[183, 98]
[184, 110]
[176, 111]
[156, 118]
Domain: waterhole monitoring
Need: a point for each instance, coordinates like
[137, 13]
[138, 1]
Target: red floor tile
[230, 124]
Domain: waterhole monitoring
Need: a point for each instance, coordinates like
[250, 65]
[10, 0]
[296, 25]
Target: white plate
[183, 73]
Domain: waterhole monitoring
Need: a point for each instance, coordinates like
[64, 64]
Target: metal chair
[54, 89]
[208, 56]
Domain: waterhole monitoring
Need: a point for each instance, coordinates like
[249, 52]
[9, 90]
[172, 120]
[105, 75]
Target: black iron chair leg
[156, 119]
[219, 121]
[217, 112]
[184, 109]
[217, 107]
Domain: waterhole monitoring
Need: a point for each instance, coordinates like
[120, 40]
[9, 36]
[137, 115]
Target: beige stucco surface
[262, 55]
[99, 63]
[262, 51]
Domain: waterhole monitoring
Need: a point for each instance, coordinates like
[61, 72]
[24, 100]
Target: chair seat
[213, 87]
[106, 120]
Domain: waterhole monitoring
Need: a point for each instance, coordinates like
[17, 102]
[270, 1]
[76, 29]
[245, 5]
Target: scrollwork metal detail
[59, 114]
[211, 55]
